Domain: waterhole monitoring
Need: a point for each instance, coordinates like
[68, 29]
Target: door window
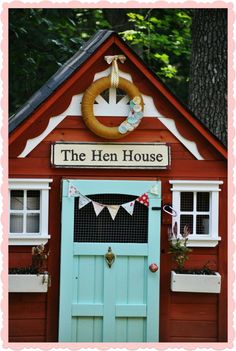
[125, 228]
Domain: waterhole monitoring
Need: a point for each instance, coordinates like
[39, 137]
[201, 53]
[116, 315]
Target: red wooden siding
[177, 320]
[194, 317]
[27, 317]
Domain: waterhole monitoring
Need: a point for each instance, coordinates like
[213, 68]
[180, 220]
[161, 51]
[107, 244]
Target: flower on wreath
[134, 117]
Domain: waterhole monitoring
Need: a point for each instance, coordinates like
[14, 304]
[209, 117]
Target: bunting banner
[154, 190]
[73, 190]
[97, 207]
[129, 207]
[113, 209]
[143, 199]
[83, 201]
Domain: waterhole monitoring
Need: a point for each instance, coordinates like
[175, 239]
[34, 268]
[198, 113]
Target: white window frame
[198, 240]
[32, 184]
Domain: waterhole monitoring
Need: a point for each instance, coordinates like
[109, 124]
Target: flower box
[200, 283]
[31, 283]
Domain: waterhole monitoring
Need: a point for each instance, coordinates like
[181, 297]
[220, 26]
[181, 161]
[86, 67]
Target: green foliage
[163, 38]
[180, 251]
[41, 40]
[206, 270]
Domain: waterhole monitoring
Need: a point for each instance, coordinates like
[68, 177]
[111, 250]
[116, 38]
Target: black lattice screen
[102, 228]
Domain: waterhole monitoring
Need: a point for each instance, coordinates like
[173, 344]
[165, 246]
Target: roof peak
[71, 65]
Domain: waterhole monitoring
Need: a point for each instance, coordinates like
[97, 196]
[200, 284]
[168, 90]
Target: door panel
[102, 304]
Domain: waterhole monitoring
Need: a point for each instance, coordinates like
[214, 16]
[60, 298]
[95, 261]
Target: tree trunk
[208, 70]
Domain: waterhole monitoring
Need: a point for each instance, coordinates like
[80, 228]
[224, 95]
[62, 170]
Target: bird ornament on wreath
[112, 81]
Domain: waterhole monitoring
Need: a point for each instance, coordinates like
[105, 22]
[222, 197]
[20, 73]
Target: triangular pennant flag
[97, 207]
[143, 199]
[129, 207]
[83, 201]
[154, 190]
[113, 209]
[73, 190]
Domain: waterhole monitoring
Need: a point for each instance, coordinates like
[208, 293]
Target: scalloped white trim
[104, 108]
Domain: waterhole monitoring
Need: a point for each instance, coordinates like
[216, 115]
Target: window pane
[16, 223]
[32, 223]
[203, 201]
[186, 201]
[33, 200]
[186, 223]
[202, 224]
[17, 200]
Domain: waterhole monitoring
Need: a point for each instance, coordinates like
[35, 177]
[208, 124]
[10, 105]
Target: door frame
[135, 187]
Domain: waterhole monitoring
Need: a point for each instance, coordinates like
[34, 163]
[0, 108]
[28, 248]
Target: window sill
[18, 240]
[200, 242]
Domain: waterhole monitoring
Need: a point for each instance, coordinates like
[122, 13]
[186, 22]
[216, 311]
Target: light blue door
[120, 302]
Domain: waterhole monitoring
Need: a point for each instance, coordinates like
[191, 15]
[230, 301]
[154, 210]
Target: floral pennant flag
[73, 190]
[113, 210]
[154, 190]
[143, 199]
[83, 201]
[97, 207]
[129, 207]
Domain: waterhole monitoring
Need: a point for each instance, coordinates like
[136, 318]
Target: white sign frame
[110, 155]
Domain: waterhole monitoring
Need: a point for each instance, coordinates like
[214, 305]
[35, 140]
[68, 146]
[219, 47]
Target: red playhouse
[112, 183]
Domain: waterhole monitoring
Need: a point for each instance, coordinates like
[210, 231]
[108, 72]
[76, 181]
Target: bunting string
[113, 209]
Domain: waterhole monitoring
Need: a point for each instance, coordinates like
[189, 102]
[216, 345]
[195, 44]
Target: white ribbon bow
[115, 69]
[110, 59]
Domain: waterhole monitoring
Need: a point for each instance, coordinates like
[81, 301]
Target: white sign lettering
[110, 155]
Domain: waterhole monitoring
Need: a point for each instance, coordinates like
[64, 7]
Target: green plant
[180, 251]
[206, 270]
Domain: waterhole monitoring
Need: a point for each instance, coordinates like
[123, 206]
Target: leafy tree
[163, 38]
[43, 39]
[40, 41]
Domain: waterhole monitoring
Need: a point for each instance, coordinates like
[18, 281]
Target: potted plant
[33, 278]
[203, 280]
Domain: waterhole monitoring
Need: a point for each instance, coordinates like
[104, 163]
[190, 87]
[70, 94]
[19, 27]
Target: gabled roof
[76, 61]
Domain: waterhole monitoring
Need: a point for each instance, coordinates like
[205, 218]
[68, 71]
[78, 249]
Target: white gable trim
[104, 108]
[190, 145]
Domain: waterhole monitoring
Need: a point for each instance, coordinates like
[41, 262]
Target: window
[197, 207]
[28, 211]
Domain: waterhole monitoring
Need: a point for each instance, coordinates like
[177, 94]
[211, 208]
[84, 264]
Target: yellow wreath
[125, 127]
